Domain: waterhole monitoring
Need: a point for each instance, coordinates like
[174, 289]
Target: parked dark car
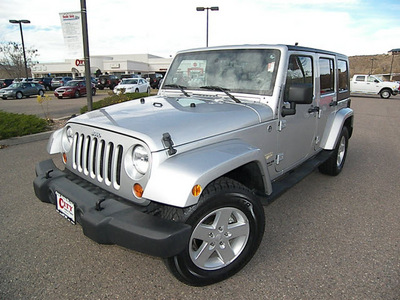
[22, 89]
[59, 81]
[73, 89]
[45, 81]
[154, 79]
[5, 82]
[109, 81]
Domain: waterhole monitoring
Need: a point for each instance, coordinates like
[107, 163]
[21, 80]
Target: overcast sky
[163, 27]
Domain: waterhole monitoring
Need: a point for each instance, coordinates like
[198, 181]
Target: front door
[296, 134]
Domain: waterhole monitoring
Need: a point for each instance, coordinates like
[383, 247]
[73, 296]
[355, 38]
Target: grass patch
[12, 125]
[114, 99]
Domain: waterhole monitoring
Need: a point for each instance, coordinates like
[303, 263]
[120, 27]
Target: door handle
[313, 109]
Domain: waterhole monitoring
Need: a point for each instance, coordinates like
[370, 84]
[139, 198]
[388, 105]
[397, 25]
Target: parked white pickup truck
[369, 84]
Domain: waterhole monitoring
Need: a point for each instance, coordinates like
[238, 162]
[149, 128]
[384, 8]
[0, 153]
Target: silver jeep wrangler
[184, 175]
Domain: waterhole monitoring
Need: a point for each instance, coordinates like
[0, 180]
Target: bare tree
[12, 59]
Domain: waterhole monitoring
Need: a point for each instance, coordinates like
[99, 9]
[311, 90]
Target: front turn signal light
[64, 158]
[196, 190]
[138, 190]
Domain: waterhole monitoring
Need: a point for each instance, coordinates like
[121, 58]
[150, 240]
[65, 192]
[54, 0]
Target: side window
[300, 70]
[327, 75]
[360, 78]
[343, 75]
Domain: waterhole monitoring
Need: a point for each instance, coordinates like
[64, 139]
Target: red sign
[79, 62]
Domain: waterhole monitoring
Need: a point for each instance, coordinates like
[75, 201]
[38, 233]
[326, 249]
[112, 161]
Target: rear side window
[343, 75]
[327, 75]
[360, 78]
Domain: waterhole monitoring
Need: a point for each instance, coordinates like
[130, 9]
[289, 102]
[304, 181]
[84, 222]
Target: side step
[287, 181]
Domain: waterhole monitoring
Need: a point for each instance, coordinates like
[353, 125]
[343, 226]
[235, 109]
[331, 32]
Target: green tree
[12, 59]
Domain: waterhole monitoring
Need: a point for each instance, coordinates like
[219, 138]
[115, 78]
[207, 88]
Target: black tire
[59, 97]
[227, 228]
[41, 93]
[19, 95]
[385, 93]
[103, 81]
[77, 94]
[334, 165]
[93, 92]
[137, 91]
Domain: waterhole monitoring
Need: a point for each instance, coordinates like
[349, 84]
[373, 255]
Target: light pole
[22, 38]
[213, 8]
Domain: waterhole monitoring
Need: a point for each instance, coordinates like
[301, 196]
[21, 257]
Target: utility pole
[86, 55]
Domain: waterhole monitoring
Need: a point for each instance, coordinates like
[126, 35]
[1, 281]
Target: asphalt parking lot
[54, 108]
[326, 238]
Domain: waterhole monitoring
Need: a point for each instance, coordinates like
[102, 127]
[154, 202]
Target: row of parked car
[69, 87]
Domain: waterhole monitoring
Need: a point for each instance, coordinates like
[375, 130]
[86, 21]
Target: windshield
[251, 71]
[72, 83]
[129, 81]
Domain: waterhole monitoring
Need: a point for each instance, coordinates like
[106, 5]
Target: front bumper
[116, 222]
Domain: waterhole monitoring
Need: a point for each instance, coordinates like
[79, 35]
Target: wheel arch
[343, 117]
[172, 181]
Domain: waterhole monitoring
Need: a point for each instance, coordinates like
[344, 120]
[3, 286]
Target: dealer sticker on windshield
[65, 207]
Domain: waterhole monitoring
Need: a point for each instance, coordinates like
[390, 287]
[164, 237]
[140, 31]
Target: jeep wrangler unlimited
[183, 175]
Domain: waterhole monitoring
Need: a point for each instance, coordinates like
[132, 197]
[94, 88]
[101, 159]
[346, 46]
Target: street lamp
[214, 8]
[22, 38]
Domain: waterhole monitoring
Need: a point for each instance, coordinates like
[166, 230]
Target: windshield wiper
[221, 89]
[182, 88]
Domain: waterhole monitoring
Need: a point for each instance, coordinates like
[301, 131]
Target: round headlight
[140, 159]
[68, 138]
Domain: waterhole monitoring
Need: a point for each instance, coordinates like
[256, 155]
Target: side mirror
[299, 93]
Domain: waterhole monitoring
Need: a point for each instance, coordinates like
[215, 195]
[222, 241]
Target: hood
[185, 119]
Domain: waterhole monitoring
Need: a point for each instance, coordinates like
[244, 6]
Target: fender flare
[334, 127]
[172, 181]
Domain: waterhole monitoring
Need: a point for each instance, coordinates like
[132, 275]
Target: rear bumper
[116, 222]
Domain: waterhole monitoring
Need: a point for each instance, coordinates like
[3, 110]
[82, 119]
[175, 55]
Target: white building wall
[112, 64]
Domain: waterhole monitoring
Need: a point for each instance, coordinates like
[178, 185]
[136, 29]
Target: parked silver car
[22, 89]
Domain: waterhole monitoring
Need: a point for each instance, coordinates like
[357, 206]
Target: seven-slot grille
[98, 158]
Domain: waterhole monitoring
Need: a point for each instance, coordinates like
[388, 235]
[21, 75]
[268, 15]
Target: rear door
[327, 97]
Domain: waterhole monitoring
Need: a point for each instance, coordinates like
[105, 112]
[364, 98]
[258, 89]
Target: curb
[26, 139]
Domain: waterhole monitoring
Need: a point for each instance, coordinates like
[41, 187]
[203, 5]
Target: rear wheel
[385, 94]
[334, 165]
[93, 92]
[227, 228]
[137, 91]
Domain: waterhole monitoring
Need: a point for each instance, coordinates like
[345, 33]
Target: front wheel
[41, 93]
[334, 165]
[386, 93]
[227, 228]
[77, 94]
[19, 95]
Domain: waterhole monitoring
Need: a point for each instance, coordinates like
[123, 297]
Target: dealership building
[108, 64]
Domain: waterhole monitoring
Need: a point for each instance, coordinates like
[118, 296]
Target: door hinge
[279, 158]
